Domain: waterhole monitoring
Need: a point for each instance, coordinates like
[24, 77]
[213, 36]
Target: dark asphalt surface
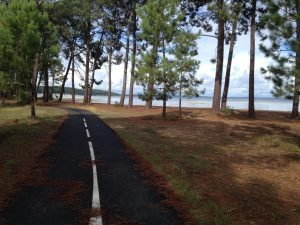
[65, 197]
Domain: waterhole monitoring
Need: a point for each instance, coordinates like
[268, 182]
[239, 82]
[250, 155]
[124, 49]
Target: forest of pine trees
[46, 42]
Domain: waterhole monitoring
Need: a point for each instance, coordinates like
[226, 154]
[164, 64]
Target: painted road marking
[97, 220]
[88, 133]
[84, 120]
[85, 125]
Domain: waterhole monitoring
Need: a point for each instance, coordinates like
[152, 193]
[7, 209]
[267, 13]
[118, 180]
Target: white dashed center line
[96, 220]
[88, 133]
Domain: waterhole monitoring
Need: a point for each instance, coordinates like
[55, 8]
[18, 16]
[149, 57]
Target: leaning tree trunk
[251, 109]
[134, 47]
[228, 70]
[295, 110]
[220, 60]
[33, 85]
[62, 90]
[46, 87]
[73, 80]
[122, 99]
[109, 71]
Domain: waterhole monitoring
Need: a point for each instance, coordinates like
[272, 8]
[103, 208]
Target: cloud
[239, 81]
[207, 50]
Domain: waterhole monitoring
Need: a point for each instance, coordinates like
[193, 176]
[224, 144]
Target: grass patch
[214, 214]
[281, 142]
[22, 141]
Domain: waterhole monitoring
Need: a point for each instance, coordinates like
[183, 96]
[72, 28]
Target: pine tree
[66, 16]
[113, 23]
[283, 32]
[129, 11]
[186, 66]
[220, 13]
[156, 27]
[251, 107]
[133, 56]
[24, 25]
[238, 26]
[152, 27]
[169, 63]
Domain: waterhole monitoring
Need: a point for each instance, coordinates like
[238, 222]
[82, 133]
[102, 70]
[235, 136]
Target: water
[270, 104]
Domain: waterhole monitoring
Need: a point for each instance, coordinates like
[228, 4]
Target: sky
[207, 50]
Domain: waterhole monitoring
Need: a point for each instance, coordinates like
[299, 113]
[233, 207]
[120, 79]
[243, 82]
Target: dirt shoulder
[22, 142]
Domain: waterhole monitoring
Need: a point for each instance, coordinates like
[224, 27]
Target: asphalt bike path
[88, 170]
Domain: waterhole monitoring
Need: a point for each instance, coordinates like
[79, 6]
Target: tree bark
[228, 70]
[109, 71]
[87, 68]
[295, 110]
[134, 47]
[52, 86]
[164, 113]
[62, 90]
[180, 96]
[149, 100]
[2, 94]
[73, 81]
[251, 108]
[39, 83]
[46, 87]
[92, 83]
[122, 99]
[220, 60]
[33, 85]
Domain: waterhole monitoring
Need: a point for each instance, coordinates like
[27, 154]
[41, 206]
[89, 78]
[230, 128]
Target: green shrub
[229, 110]
[24, 98]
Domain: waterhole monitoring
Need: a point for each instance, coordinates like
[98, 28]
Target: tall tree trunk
[134, 47]
[251, 109]
[33, 85]
[92, 83]
[52, 86]
[180, 96]
[62, 90]
[109, 71]
[122, 99]
[2, 94]
[38, 83]
[228, 70]
[164, 113]
[87, 69]
[150, 89]
[46, 87]
[295, 110]
[149, 101]
[220, 60]
[73, 80]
